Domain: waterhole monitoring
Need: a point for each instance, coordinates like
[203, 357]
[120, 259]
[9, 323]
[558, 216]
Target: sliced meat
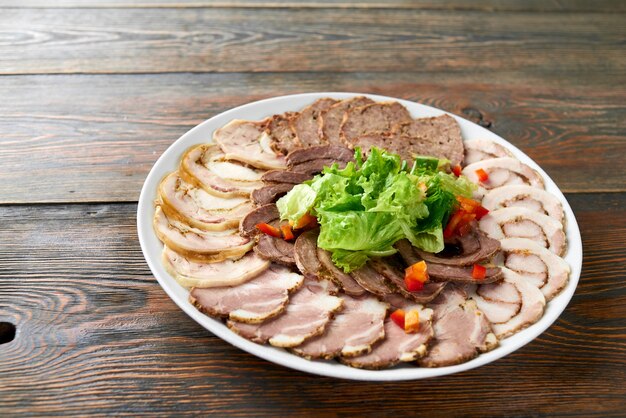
[285, 176]
[395, 280]
[306, 124]
[260, 298]
[487, 247]
[498, 301]
[398, 346]
[321, 152]
[353, 331]
[372, 281]
[332, 272]
[372, 118]
[536, 265]
[198, 208]
[316, 166]
[330, 120]
[305, 254]
[283, 139]
[202, 274]
[518, 222]
[205, 166]
[275, 249]
[307, 314]
[188, 240]
[263, 214]
[503, 171]
[270, 193]
[524, 196]
[247, 141]
[483, 149]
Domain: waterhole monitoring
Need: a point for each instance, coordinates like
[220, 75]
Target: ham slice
[307, 314]
[330, 120]
[247, 142]
[205, 166]
[524, 196]
[261, 298]
[372, 118]
[306, 124]
[483, 149]
[351, 333]
[503, 171]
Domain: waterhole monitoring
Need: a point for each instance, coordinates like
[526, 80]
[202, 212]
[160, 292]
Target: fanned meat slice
[316, 166]
[283, 139]
[306, 124]
[198, 208]
[275, 249]
[524, 196]
[536, 265]
[395, 279]
[321, 152]
[263, 214]
[372, 281]
[307, 314]
[228, 272]
[260, 298]
[351, 333]
[270, 193]
[205, 166]
[398, 346]
[247, 141]
[517, 222]
[285, 176]
[372, 118]
[330, 120]
[483, 149]
[191, 241]
[487, 247]
[503, 171]
[342, 279]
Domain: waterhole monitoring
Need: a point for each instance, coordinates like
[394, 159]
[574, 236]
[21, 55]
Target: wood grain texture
[100, 144]
[286, 40]
[97, 335]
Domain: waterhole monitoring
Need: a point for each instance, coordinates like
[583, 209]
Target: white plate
[202, 133]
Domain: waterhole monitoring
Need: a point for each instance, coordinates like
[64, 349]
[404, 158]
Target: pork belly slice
[205, 166]
[198, 243]
[537, 265]
[306, 124]
[275, 249]
[524, 196]
[518, 222]
[372, 118]
[397, 346]
[283, 139]
[504, 171]
[263, 214]
[247, 141]
[230, 272]
[270, 193]
[262, 297]
[285, 176]
[483, 149]
[351, 333]
[307, 314]
[198, 208]
[330, 120]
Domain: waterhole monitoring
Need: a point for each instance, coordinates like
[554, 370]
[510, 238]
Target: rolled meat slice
[306, 124]
[198, 244]
[372, 118]
[483, 149]
[282, 138]
[247, 141]
[262, 297]
[352, 332]
[524, 196]
[198, 208]
[205, 166]
[503, 171]
[518, 222]
[203, 274]
[307, 314]
[397, 346]
[537, 265]
[330, 120]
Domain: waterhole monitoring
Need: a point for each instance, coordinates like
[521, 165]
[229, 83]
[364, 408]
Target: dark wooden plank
[94, 138]
[338, 40]
[97, 335]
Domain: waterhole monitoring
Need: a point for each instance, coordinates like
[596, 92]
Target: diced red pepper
[479, 272]
[454, 221]
[480, 212]
[306, 221]
[269, 230]
[287, 232]
[398, 317]
[415, 276]
[412, 321]
[457, 170]
[482, 175]
[467, 204]
[464, 229]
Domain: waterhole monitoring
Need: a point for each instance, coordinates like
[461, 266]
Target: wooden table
[93, 91]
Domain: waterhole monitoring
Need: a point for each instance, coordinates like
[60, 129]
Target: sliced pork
[270, 193]
[203, 274]
[205, 166]
[352, 332]
[263, 214]
[395, 279]
[330, 120]
[306, 124]
[503, 171]
[275, 249]
[518, 222]
[372, 118]
[524, 196]
[262, 297]
[283, 139]
[285, 176]
[247, 141]
[483, 149]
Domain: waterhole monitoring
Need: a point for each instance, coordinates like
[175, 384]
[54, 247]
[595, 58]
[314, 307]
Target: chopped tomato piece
[269, 230]
[287, 232]
[306, 221]
[457, 170]
[453, 223]
[398, 318]
[482, 175]
[479, 272]
[412, 321]
[480, 212]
